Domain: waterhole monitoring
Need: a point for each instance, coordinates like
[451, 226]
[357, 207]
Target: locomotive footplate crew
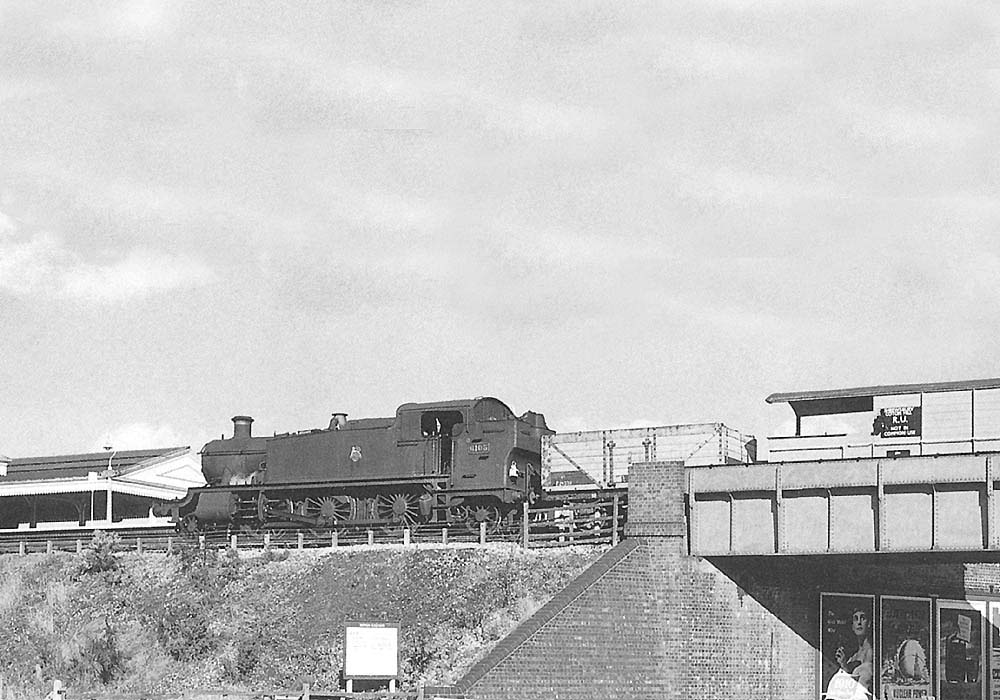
[466, 461]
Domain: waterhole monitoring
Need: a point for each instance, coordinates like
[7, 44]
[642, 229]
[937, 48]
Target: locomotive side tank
[457, 461]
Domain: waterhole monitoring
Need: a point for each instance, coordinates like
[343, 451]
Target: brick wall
[650, 621]
[598, 638]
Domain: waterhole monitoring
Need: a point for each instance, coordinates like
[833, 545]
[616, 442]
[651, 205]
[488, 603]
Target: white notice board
[371, 650]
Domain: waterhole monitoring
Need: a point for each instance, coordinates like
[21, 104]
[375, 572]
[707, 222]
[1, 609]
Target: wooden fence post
[170, 545]
[201, 542]
[79, 546]
[406, 535]
[524, 525]
[333, 539]
[371, 537]
[267, 540]
[305, 691]
[232, 543]
[301, 540]
[482, 532]
[21, 548]
[444, 535]
[48, 546]
[138, 545]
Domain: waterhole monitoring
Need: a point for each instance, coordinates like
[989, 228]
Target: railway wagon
[464, 461]
[591, 459]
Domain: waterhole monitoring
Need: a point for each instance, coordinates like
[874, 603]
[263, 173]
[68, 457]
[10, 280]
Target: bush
[99, 555]
[182, 627]
[92, 653]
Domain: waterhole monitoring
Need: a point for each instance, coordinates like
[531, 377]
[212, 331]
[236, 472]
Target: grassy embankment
[154, 623]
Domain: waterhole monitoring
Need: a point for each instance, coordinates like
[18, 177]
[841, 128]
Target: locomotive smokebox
[241, 426]
[339, 421]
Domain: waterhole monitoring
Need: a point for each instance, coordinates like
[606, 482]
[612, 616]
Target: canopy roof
[883, 390]
[78, 466]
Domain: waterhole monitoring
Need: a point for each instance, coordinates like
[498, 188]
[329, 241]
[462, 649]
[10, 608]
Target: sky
[617, 214]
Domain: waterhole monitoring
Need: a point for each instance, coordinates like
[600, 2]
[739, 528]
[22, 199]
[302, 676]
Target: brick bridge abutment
[650, 620]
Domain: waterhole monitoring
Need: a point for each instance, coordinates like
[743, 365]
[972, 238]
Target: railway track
[593, 518]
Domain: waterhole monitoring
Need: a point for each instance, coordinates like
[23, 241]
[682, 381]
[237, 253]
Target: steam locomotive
[465, 461]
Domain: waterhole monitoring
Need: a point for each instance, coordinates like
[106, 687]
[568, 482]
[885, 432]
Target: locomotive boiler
[464, 461]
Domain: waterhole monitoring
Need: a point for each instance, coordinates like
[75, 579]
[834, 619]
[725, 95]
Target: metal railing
[839, 447]
[61, 692]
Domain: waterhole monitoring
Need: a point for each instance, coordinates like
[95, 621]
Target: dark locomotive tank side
[465, 460]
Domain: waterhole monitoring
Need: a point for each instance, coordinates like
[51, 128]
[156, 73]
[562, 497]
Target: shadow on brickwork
[790, 586]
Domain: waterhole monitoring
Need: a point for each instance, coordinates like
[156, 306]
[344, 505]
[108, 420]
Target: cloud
[904, 125]
[139, 274]
[139, 20]
[138, 436]
[695, 58]
[41, 264]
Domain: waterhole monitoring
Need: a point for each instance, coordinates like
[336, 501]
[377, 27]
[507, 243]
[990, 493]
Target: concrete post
[524, 525]
[614, 521]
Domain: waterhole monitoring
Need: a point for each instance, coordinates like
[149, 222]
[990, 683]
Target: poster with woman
[846, 645]
[904, 648]
[961, 663]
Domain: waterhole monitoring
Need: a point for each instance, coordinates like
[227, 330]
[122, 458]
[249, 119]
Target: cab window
[435, 424]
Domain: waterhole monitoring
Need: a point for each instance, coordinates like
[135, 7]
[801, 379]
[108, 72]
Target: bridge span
[945, 503]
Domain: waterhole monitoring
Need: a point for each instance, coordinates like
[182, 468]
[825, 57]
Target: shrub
[92, 653]
[99, 555]
[182, 627]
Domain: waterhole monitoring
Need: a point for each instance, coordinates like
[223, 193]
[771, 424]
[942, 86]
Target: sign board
[847, 658]
[905, 648]
[962, 668]
[897, 421]
[994, 633]
[371, 650]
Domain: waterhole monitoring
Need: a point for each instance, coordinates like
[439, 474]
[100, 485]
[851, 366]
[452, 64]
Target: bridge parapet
[897, 504]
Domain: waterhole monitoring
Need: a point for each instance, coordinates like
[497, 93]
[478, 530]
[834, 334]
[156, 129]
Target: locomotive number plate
[479, 448]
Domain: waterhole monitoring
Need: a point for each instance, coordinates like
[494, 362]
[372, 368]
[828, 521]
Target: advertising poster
[961, 662]
[905, 648]
[994, 651]
[847, 646]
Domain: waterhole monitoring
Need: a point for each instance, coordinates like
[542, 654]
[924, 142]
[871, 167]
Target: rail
[600, 521]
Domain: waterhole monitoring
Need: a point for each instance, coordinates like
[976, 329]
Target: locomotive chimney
[241, 426]
[339, 421]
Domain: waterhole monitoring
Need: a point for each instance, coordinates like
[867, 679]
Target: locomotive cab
[490, 457]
